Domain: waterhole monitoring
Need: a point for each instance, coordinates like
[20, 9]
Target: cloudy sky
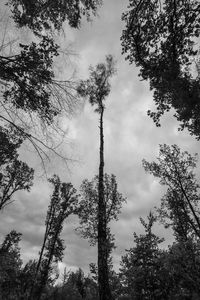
[130, 136]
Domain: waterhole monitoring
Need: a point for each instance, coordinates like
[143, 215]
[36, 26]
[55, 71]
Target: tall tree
[97, 88]
[180, 204]
[180, 210]
[63, 203]
[161, 37]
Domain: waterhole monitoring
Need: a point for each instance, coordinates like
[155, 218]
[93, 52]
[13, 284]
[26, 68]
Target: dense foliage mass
[88, 207]
[39, 15]
[31, 93]
[27, 77]
[161, 37]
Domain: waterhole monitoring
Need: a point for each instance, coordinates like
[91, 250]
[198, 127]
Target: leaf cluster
[63, 203]
[15, 175]
[41, 15]
[27, 77]
[10, 143]
[10, 265]
[160, 37]
[97, 87]
[88, 207]
[180, 204]
[148, 272]
[140, 266]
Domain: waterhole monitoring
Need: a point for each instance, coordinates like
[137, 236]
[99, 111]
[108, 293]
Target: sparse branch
[37, 143]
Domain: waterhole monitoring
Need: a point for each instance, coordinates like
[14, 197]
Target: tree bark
[103, 278]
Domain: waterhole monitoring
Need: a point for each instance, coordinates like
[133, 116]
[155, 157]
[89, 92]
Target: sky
[130, 136]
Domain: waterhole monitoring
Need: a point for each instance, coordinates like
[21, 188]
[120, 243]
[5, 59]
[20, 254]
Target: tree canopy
[140, 266]
[180, 204]
[28, 76]
[88, 207]
[32, 95]
[41, 15]
[98, 87]
[161, 37]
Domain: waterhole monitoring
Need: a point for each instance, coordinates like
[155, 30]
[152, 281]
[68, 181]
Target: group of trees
[160, 37]
[147, 271]
[29, 92]
[150, 272]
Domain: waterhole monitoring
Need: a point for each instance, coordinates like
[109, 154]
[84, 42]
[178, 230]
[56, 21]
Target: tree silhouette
[39, 15]
[161, 38]
[63, 203]
[97, 88]
[10, 143]
[10, 265]
[140, 266]
[180, 204]
[88, 208]
[32, 94]
[15, 175]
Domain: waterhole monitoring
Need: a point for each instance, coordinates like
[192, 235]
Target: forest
[99, 141]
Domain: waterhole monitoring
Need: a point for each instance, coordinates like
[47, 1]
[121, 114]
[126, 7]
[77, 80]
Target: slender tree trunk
[49, 261]
[103, 279]
[31, 296]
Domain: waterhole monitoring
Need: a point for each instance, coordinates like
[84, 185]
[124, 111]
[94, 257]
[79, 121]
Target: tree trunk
[103, 279]
[48, 226]
[49, 261]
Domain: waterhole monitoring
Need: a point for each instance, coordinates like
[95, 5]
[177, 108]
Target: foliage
[88, 207]
[161, 38]
[97, 87]
[183, 266]
[10, 143]
[32, 93]
[70, 289]
[63, 203]
[14, 177]
[48, 15]
[10, 264]
[180, 204]
[26, 279]
[140, 266]
[148, 272]
[27, 77]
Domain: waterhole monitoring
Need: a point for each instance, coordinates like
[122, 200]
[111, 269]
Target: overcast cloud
[130, 136]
